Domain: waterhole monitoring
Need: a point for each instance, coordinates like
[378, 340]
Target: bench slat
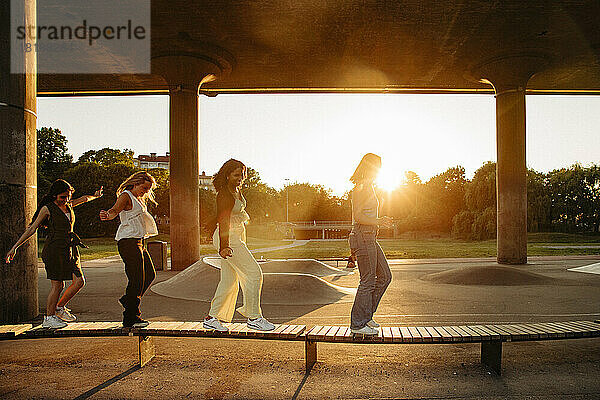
[446, 336]
[396, 334]
[416, 336]
[556, 333]
[483, 334]
[332, 332]
[532, 332]
[406, 335]
[435, 336]
[466, 336]
[475, 336]
[492, 335]
[386, 331]
[582, 330]
[549, 331]
[343, 334]
[312, 333]
[11, 331]
[515, 333]
[504, 335]
[591, 326]
[456, 336]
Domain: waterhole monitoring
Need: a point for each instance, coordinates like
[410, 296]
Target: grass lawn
[569, 244]
[106, 246]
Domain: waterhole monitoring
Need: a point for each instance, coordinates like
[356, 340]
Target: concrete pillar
[18, 174]
[184, 75]
[511, 176]
[509, 75]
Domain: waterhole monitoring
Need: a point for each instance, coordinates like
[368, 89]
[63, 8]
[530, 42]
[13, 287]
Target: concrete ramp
[199, 281]
[489, 275]
[302, 266]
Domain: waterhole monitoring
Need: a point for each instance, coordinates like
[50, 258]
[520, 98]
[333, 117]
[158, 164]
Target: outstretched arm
[43, 214]
[86, 198]
[122, 203]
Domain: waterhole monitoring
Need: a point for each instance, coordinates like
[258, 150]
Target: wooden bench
[491, 337]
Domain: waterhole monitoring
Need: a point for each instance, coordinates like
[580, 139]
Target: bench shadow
[301, 385]
[107, 383]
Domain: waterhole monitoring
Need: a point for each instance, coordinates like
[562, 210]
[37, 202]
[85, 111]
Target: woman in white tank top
[136, 226]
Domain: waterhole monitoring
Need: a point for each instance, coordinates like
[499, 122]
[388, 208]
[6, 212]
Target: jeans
[375, 274]
[140, 274]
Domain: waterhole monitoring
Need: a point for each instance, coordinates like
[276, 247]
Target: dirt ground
[199, 368]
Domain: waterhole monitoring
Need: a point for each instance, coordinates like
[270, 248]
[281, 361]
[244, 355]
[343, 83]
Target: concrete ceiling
[286, 45]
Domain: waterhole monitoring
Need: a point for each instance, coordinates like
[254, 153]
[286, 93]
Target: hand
[104, 215]
[10, 255]
[226, 252]
[99, 192]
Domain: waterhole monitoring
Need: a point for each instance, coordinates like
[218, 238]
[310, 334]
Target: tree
[108, 156]
[53, 157]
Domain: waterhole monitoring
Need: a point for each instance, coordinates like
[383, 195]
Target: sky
[321, 138]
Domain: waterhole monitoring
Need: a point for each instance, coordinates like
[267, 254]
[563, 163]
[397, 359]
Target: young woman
[375, 275]
[60, 253]
[239, 268]
[136, 226]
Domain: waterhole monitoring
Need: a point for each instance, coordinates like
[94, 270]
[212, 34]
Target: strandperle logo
[90, 33]
[79, 37]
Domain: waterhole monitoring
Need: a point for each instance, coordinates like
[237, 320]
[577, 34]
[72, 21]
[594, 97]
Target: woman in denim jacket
[375, 275]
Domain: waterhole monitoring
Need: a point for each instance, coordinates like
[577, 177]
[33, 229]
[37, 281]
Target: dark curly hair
[220, 178]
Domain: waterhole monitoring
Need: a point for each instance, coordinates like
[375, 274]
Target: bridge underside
[418, 46]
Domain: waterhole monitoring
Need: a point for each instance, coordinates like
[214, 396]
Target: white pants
[241, 269]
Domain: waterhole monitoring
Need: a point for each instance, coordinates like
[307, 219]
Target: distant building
[152, 161]
[205, 182]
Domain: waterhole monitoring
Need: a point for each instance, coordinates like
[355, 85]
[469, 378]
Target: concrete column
[18, 175]
[184, 76]
[509, 75]
[511, 176]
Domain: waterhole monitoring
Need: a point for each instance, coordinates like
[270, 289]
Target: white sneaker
[373, 324]
[65, 314]
[260, 324]
[53, 322]
[215, 324]
[365, 330]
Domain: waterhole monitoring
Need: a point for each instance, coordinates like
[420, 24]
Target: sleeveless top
[369, 208]
[60, 248]
[136, 223]
[239, 217]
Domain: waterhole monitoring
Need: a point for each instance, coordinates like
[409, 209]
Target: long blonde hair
[365, 167]
[137, 179]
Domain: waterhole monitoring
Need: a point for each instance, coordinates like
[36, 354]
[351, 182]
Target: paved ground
[210, 368]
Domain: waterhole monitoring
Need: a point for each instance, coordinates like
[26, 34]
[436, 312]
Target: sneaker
[365, 330]
[65, 314]
[136, 323]
[214, 324]
[373, 324]
[260, 324]
[53, 322]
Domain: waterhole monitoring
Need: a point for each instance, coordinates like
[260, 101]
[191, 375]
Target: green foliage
[108, 156]
[53, 157]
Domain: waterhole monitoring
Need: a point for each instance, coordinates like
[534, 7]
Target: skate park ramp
[489, 275]
[199, 281]
[298, 265]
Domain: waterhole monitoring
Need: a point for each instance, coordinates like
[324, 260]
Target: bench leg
[310, 354]
[491, 355]
[146, 349]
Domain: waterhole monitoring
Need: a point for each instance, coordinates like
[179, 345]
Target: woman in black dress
[60, 253]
